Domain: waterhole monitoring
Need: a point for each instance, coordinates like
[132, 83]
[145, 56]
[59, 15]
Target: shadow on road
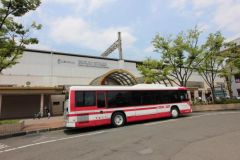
[72, 131]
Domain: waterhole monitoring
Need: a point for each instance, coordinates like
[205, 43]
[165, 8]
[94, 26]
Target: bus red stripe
[104, 112]
[83, 124]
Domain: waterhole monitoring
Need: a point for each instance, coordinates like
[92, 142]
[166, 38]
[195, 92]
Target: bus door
[101, 104]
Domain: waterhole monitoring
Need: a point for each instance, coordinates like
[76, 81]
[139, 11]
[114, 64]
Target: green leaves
[19, 7]
[181, 53]
[13, 35]
[154, 71]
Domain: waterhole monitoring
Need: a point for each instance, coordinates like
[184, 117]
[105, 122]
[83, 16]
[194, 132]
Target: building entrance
[115, 77]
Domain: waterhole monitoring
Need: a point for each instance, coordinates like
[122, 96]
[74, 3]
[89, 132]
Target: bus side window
[119, 99]
[136, 98]
[101, 100]
[174, 97]
[85, 98]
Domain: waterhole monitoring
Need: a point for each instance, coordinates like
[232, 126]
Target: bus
[89, 106]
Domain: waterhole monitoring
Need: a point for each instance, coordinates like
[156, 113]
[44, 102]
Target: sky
[89, 27]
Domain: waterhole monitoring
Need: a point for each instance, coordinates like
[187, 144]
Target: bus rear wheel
[118, 119]
[174, 112]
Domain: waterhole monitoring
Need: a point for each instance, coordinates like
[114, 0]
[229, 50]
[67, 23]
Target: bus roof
[135, 87]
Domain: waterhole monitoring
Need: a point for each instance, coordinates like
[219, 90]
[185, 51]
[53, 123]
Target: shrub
[227, 101]
[8, 121]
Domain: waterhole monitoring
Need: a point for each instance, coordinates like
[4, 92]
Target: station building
[236, 78]
[40, 80]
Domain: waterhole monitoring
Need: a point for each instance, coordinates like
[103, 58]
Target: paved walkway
[43, 123]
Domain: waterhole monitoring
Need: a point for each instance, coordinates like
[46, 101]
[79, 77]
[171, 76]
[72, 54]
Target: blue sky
[89, 26]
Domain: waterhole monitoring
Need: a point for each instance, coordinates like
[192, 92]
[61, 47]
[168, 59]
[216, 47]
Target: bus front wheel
[118, 119]
[174, 112]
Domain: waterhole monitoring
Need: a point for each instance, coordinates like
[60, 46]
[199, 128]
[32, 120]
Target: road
[200, 136]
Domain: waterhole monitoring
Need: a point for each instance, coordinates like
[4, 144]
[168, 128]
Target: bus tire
[175, 112]
[118, 119]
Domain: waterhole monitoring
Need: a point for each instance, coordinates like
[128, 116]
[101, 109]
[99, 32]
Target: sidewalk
[43, 123]
[29, 126]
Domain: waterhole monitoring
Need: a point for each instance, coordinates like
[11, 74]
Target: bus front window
[183, 96]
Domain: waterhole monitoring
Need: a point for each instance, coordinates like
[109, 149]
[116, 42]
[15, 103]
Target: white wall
[235, 86]
[43, 69]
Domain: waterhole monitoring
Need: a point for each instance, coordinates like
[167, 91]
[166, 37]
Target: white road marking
[193, 117]
[50, 141]
[2, 146]
[42, 138]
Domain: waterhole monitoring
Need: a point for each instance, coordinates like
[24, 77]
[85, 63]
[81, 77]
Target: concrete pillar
[196, 95]
[189, 95]
[120, 46]
[41, 104]
[121, 64]
[0, 105]
[51, 76]
[204, 96]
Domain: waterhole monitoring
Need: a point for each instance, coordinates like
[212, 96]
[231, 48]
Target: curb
[23, 133]
[220, 110]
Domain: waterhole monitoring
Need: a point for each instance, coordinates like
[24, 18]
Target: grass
[8, 121]
[227, 101]
[221, 101]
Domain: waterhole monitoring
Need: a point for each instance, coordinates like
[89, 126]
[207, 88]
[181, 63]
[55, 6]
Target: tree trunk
[229, 88]
[213, 94]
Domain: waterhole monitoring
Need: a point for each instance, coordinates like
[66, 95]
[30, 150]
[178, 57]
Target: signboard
[84, 63]
[220, 92]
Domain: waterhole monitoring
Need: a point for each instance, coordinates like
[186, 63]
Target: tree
[234, 54]
[178, 57]
[210, 61]
[154, 71]
[13, 35]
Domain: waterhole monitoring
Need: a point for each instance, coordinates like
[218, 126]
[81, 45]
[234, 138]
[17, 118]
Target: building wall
[42, 69]
[235, 86]
[195, 77]
[236, 83]
[21, 106]
[57, 103]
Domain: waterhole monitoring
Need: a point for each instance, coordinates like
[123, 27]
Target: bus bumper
[70, 124]
[186, 111]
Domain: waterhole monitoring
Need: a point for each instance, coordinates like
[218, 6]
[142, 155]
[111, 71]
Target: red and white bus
[117, 105]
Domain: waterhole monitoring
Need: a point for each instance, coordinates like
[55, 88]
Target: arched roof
[122, 77]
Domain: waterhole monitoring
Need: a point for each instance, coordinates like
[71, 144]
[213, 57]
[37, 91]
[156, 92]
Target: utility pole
[120, 46]
[116, 45]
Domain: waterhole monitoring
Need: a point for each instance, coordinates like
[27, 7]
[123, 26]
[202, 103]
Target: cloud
[88, 6]
[180, 4]
[195, 4]
[224, 14]
[149, 49]
[203, 27]
[96, 4]
[39, 46]
[76, 31]
[227, 16]
[199, 4]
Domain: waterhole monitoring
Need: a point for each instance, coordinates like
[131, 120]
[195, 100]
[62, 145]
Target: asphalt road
[202, 136]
